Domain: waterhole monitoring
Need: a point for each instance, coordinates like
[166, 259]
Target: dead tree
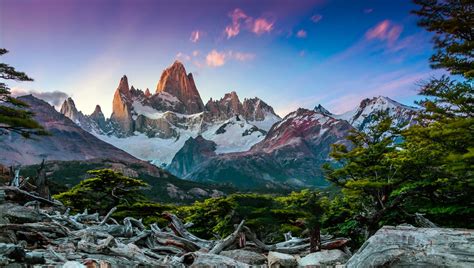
[41, 182]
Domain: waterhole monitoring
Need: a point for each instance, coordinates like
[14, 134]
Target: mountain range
[225, 140]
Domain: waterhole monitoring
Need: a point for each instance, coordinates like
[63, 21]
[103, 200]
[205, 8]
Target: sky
[289, 53]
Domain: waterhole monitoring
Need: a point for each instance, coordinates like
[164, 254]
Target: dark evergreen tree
[13, 114]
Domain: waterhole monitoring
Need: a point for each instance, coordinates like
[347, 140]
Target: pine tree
[13, 114]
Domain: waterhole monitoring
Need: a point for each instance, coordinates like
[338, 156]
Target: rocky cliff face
[121, 113]
[194, 152]
[253, 110]
[176, 82]
[226, 107]
[67, 142]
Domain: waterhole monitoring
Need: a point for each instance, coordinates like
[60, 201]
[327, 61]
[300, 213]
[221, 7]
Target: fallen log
[178, 228]
[20, 196]
[222, 244]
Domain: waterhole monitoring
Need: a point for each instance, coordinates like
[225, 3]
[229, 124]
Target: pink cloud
[195, 53]
[236, 16]
[316, 18]
[261, 26]
[301, 34]
[215, 58]
[241, 20]
[195, 36]
[385, 31]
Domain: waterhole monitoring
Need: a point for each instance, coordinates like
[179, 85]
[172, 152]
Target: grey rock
[277, 259]
[197, 259]
[245, 256]
[405, 246]
[324, 258]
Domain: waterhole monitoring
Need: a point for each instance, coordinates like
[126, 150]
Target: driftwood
[20, 196]
[54, 235]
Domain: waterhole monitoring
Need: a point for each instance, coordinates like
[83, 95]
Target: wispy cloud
[183, 56]
[261, 26]
[241, 20]
[316, 18]
[385, 31]
[217, 59]
[196, 36]
[237, 15]
[301, 34]
[55, 98]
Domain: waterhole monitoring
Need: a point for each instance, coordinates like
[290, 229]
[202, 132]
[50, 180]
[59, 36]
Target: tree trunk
[41, 182]
[315, 239]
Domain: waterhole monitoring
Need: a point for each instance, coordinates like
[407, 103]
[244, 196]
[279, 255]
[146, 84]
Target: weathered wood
[20, 196]
[108, 215]
[222, 244]
[178, 227]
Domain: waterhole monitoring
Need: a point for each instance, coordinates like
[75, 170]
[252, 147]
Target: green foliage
[149, 211]
[102, 192]
[13, 116]
[451, 22]
[267, 215]
[368, 175]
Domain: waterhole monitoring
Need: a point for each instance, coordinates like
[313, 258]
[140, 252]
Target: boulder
[324, 258]
[198, 259]
[277, 259]
[245, 256]
[408, 246]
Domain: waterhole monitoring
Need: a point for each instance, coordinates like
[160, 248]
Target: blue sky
[289, 53]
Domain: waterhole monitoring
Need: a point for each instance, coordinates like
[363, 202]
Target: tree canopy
[14, 117]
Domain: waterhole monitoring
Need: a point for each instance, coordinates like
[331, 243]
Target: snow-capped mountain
[154, 127]
[291, 153]
[363, 116]
[226, 140]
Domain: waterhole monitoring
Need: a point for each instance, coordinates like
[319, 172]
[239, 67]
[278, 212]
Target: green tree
[367, 175]
[441, 146]
[452, 23]
[13, 114]
[102, 192]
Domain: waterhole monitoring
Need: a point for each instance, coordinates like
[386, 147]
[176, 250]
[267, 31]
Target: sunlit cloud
[236, 16]
[261, 26]
[55, 98]
[316, 18]
[385, 31]
[195, 53]
[196, 36]
[301, 34]
[241, 20]
[215, 58]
